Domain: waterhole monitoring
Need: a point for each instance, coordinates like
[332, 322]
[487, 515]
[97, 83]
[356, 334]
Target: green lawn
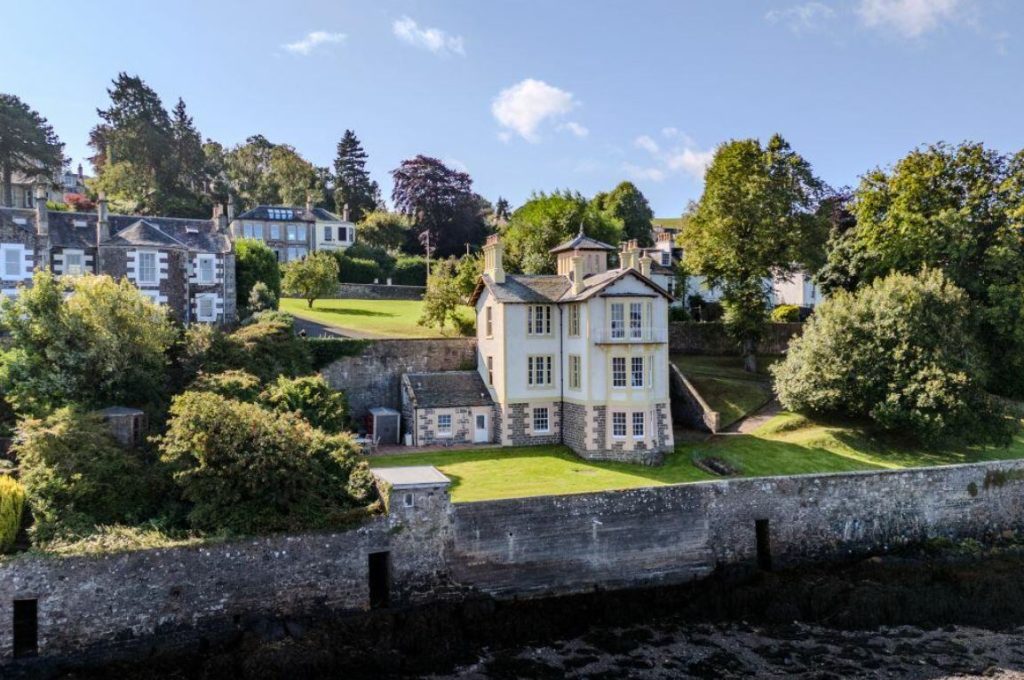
[787, 444]
[369, 318]
[725, 386]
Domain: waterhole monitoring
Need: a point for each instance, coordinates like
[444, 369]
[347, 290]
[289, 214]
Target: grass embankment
[370, 318]
[786, 445]
[725, 386]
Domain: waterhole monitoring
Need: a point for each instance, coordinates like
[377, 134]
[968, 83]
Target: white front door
[481, 435]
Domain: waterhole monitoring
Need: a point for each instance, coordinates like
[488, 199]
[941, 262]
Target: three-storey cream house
[579, 357]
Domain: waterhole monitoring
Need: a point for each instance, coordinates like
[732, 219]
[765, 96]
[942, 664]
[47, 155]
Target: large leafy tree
[757, 218]
[255, 263]
[312, 277]
[900, 352]
[381, 229]
[28, 145]
[104, 345]
[627, 204]
[958, 209]
[353, 186]
[443, 297]
[441, 203]
[547, 220]
[261, 172]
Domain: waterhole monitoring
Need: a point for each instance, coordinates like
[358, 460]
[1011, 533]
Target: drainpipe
[561, 376]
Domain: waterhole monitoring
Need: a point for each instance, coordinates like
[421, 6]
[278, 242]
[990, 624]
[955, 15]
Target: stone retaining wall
[378, 291]
[689, 337]
[373, 377]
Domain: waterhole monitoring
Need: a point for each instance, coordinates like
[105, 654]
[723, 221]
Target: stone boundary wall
[91, 606]
[374, 376]
[688, 407]
[671, 534]
[378, 291]
[690, 337]
[98, 606]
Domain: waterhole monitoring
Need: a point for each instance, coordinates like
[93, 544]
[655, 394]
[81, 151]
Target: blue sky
[538, 95]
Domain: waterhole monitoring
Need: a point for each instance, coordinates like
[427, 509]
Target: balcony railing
[616, 336]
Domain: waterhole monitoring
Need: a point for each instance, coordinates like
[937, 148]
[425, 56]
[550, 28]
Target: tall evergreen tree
[28, 145]
[353, 185]
[187, 144]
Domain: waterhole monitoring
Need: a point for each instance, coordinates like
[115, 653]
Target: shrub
[312, 398]
[900, 352]
[267, 348]
[353, 270]
[362, 251]
[246, 470]
[410, 271]
[77, 476]
[12, 503]
[786, 313]
[261, 298]
[233, 384]
[255, 261]
[313, 277]
[326, 350]
[678, 314]
[105, 344]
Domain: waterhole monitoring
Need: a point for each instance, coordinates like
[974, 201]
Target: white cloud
[644, 173]
[647, 144]
[809, 16]
[693, 162]
[912, 18]
[432, 39]
[523, 107]
[313, 40]
[682, 155]
[575, 128]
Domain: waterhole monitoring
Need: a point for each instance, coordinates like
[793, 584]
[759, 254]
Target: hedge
[12, 503]
[355, 270]
[410, 271]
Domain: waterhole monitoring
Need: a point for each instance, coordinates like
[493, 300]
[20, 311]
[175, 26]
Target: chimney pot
[344, 213]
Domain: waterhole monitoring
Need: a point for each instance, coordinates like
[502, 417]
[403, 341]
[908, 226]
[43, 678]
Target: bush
[255, 262]
[248, 470]
[900, 352]
[678, 314]
[266, 348]
[786, 314]
[310, 397]
[410, 271]
[362, 251]
[326, 350]
[352, 270]
[12, 503]
[261, 298]
[76, 475]
[233, 384]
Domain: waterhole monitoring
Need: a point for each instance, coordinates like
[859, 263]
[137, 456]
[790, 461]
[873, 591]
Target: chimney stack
[102, 219]
[645, 265]
[231, 208]
[42, 214]
[344, 213]
[81, 177]
[220, 217]
[309, 203]
[577, 272]
[493, 250]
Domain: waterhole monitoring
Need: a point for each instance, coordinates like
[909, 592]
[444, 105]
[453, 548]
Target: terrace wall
[373, 377]
[379, 291]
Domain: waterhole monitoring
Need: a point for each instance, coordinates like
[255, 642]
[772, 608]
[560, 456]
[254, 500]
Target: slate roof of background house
[143, 233]
[525, 289]
[581, 242]
[326, 215]
[448, 389]
[8, 215]
[207, 237]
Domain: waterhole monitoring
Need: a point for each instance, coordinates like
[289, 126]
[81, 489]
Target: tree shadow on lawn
[349, 311]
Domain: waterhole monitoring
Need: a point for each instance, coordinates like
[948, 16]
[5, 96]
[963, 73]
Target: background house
[292, 232]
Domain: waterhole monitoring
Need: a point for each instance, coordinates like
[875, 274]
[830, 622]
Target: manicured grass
[786, 445]
[725, 386]
[370, 318]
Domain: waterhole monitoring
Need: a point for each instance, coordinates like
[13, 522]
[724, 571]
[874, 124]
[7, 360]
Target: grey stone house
[186, 264]
[453, 407]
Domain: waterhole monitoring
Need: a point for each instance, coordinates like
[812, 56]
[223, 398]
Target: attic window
[279, 214]
[20, 220]
[191, 229]
[79, 223]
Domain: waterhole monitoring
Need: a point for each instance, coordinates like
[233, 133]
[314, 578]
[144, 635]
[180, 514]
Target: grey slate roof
[447, 389]
[581, 242]
[553, 288]
[9, 215]
[143, 233]
[197, 234]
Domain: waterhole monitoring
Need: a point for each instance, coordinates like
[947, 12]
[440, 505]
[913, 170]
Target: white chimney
[492, 259]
